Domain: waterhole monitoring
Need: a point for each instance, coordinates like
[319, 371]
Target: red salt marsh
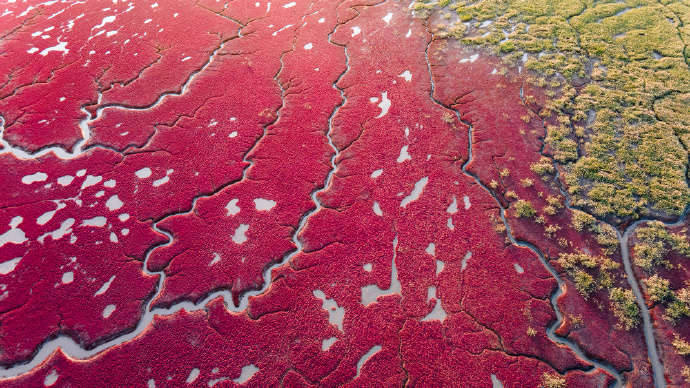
[277, 194]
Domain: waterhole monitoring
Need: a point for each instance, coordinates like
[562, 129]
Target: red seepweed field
[297, 194]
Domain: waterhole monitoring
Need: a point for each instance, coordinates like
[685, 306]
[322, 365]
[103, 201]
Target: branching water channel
[75, 350]
[554, 297]
[70, 347]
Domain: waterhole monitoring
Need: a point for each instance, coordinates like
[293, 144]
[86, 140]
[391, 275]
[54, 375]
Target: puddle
[213, 382]
[16, 221]
[216, 258]
[385, 104]
[96, 222]
[61, 46]
[37, 177]
[143, 173]
[453, 208]
[431, 249]
[14, 235]
[377, 209]
[468, 255]
[327, 343]
[106, 20]
[232, 207]
[439, 266]
[51, 378]
[163, 180]
[109, 310]
[416, 192]
[193, 375]
[9, 266]
[366, 357]
[113, 203]
[518, 268]
[247, 373]
[105, 286]
[495, 382]
[239, 237]
[90, 181]
[371, 292]
[47, 216]
[264, 204]
[404, 155]
[65, 180]
[335, 313]
[437, 313]
[471, 59]
[65, 228]
[67, 277]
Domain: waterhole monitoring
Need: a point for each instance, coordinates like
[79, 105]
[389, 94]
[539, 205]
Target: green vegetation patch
[524, 209]
[682, 346]
[622, 138]
[590, 273]
[625, 307]
[654, 242]
[678, 305]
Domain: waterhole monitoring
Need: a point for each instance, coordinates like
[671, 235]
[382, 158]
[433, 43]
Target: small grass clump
[678, 305]
[550, 380]
[654, 242]
[682, 347]
[581, 220]
[526, 182]
[658, 288]
[589, 273]
[544, 166]
[524, 209]
[625, 307]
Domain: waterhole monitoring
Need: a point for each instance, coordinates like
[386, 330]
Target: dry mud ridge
[297, 194]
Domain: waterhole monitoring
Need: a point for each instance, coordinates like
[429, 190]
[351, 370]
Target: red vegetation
[259, 122]
[505, 142]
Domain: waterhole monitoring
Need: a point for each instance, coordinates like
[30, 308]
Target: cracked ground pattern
[286, 194]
